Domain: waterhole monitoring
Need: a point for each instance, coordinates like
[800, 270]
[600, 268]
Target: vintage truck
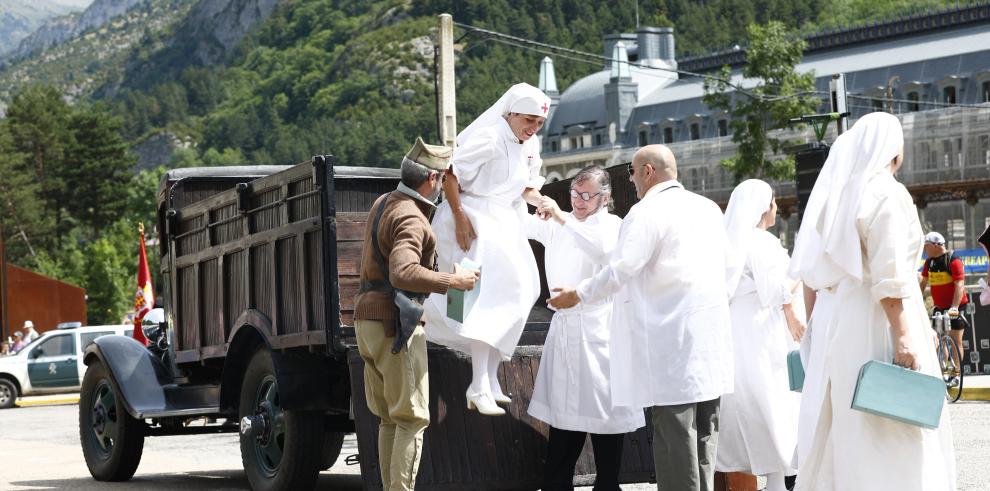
[259, 266]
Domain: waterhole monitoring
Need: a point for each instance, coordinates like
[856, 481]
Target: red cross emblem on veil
[544, 107]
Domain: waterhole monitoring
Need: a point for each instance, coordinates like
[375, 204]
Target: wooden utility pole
[446, 106]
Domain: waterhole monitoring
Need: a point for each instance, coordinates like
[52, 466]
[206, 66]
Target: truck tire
[112, 441]
[333, 441]
[8, 393]
[284, 452]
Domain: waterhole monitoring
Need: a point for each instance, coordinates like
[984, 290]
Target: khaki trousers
[685, 438]
[397, 390]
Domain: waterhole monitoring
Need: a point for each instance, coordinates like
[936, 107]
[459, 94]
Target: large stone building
[932, 70]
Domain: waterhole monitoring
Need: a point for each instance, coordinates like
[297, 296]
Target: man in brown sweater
[396, 385]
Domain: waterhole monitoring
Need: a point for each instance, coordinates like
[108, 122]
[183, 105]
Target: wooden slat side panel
[350, 225]
[210, 293]
[235, 288]
[195, 241]
[231, 229]
[269, 217]
[290, 299]
[314, 280]
[262, 279]
[188, 308]
[302, 208]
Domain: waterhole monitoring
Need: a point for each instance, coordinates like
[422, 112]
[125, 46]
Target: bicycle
[948, 353]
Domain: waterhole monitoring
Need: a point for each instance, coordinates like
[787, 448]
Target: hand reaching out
[566, 298]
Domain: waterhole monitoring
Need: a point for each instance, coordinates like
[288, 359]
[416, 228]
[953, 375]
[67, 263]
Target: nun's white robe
[572, 385]
[493, 169]
[758, 422]
[851, 449]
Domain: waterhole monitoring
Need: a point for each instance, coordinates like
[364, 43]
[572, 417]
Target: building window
[947, 153]
[642, 138]
[956, 233]
[598, 140]
[723, 127]
[668, 135]
[985, 92]
[554, 146]
[695, 131]
[913, 99]
[949, 95]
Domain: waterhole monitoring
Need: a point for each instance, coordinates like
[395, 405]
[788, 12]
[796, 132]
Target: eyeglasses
[631, 170]
[585, 195]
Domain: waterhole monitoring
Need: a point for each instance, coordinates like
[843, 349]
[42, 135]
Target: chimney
[667, 53]
[621, 93]
[609, 42]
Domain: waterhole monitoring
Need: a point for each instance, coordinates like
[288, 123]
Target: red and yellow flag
[144, 297]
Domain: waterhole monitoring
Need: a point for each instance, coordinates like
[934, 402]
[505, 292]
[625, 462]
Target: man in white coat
[671, 342]
[572, 386]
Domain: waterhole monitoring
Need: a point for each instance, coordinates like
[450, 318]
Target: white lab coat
[493, 170]
[856, 450]
[758, 421]
[572, 385]
[671, 340]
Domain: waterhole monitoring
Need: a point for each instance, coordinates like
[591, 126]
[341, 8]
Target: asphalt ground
[39, 449]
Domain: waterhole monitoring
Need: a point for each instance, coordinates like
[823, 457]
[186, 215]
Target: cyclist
[944, 271]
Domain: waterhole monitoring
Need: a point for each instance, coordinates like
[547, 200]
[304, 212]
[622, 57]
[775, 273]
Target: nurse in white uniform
[759, 419]
[495, 171]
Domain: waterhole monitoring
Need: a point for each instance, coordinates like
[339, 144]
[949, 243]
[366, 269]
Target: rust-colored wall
[43, 300]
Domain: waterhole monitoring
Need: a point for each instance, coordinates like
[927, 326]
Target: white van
[51, 364]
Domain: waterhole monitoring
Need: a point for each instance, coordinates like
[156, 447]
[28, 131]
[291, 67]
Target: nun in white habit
[868, 247]
[758, 430]
[495, 171]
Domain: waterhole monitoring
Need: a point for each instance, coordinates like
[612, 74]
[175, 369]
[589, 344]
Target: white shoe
[484, 403]
[502, 399]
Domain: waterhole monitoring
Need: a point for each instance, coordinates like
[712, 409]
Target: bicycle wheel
[948, 352]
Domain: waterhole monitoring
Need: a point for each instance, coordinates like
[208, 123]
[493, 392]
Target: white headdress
[520, 98]
[828, 246]
[747, 204]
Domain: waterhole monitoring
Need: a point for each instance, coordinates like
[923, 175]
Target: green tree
[99, 168]
[780, 94]
[38, 121]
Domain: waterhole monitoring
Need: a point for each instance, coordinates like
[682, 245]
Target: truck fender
[137, 374]
[251, 331]
[307, 381]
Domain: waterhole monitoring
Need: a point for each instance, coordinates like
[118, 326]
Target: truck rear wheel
[333, 441]
[8, 393]
[112, 441]
[280, 449]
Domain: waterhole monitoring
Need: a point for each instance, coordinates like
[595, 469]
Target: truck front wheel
[280, 449]
[112, 441]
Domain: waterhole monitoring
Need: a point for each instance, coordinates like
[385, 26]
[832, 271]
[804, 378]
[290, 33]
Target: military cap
[435, 157]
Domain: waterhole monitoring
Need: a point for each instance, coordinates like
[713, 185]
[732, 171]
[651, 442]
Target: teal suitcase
[460, 302]
[795, 371]
[895, 392]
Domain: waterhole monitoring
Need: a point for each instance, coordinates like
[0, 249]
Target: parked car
[51, 364]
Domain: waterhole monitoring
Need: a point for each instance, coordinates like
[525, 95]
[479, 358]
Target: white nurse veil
[747, 204]
[520, 98]
[828, 246]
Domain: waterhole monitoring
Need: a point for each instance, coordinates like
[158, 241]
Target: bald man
[671, 345]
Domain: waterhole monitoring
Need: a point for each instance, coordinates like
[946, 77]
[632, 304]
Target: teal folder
[460, 302]
[895, 392]
[795, 371]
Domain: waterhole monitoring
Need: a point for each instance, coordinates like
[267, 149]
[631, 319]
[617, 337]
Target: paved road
[39, 449]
